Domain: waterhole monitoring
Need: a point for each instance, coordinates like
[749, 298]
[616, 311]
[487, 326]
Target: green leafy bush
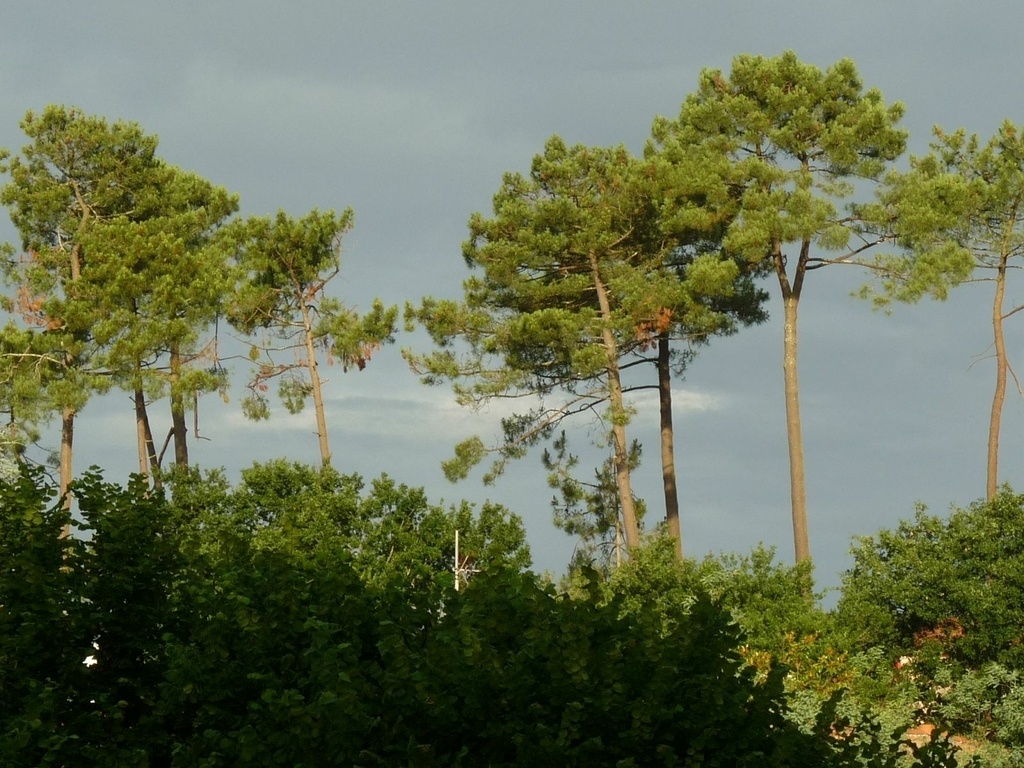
[244, 650]
[949, 591]
[391, 532]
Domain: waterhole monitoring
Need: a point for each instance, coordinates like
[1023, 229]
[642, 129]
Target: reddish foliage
[944, 633]
[649, 330]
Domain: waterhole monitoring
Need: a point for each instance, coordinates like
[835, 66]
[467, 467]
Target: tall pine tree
[779, 145]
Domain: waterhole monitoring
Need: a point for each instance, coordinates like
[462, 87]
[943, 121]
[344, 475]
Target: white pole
[456, 559]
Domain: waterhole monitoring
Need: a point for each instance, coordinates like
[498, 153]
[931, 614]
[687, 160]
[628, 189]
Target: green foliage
[948, 590]
[391, 534]
[954, 213]
[156, 283]
[593, 682]
[773, 147]
[468, 454]
[287, 265]
[769, 599]
[31, 364]
[250, 652]
[532, 318]
[76, 171]
[655, 583]
[975, 697]
[784, 635]
[410, 544]
[859, 738]
[589, 510]
[36, 596]
[68, 600]
[930, 618]
[118, 280]
[783, 631]
[985, 703]
[305, 618]
[576, 276]
[876, 680]
[274, 665]
[957, 217]
[770, 602]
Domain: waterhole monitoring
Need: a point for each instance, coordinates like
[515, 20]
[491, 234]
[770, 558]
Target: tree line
[126, 269]
[303, 618]
[598, 273]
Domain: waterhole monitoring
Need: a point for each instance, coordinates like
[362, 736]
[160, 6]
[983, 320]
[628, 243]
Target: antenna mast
[462, 569]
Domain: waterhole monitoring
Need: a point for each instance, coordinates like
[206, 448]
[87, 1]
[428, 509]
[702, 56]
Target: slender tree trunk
[178, 410]
[314, 380]
[622, 473]
[623, 482]
[794, 433]
[67, 426]
[76, 249]
[140, 428]
[67, 439]
[618, 544]
[999, 396]
[141, 418]
[154, 459]
[668, 458]
[149, 462]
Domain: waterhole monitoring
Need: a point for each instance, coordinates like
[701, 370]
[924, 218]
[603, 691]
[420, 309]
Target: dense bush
[108, 600]
[772, 602]
[942, 589]
[248, 650]
[392, 533]
[938, 605]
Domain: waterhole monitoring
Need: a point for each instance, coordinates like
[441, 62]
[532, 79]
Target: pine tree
[775, 148]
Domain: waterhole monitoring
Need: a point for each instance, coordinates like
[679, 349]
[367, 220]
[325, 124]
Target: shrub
[247, 654]
[945, 590]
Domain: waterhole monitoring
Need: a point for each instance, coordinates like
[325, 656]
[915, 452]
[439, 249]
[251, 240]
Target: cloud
[431, 411]
[684, 401]
[434, 412]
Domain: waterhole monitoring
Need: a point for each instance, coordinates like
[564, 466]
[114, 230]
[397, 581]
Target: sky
[411, 111]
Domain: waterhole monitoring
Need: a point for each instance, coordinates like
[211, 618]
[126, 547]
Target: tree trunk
[623, 482]
[67, 425]
[314, 380]
[999, 396]
[622, 473]
[794, 433]
[140, 428]
[178, 411]
[149, 462]
[154, 459]
[668, 459]
[67, 439]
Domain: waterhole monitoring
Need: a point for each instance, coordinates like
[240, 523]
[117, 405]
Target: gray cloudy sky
[411, 111]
